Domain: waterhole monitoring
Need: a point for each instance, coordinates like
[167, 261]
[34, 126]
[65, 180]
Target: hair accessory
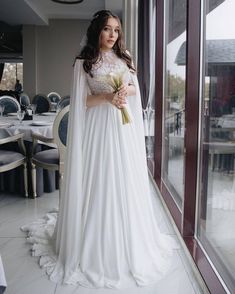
[96, 16]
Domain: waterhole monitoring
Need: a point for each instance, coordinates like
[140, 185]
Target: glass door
[216, 218]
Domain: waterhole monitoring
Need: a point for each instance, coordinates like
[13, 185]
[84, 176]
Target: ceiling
[38, 12]
[15, 13]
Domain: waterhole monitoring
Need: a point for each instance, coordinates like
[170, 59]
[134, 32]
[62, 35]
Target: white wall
[48, 53]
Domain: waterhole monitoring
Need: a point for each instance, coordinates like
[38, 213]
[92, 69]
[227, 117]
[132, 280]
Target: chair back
[42, 102]
[54, 97]
[24, 99]
[64, 102]
[60, 130]
[10, 104]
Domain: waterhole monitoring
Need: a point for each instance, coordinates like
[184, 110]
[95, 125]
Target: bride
[105, 234]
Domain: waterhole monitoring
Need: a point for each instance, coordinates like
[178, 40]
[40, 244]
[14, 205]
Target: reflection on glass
[174, 98]
[217, 199]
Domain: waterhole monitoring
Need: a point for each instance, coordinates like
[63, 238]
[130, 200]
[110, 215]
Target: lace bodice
[108, 63]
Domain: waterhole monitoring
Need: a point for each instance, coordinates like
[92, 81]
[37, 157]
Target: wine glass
[33, 107]
[54, 102]
[53, 99]
[20, 115]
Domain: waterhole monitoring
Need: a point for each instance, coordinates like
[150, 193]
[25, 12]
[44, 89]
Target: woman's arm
[117, 99]
[95, 100]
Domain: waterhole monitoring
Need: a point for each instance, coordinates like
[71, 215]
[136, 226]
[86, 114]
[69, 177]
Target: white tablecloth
[27, 127]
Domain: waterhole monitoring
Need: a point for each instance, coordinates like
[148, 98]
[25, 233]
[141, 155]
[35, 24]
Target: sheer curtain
[146, 60]
[130, 25]
[140, 40]
[146, 70]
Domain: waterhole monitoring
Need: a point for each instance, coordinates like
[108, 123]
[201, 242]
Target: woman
[106, 234]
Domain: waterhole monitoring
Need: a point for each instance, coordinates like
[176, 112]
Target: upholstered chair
[54, 97]
[12, 159]
[10, 104]
[42, 102]
[51, 159]
[63, 102]
[24, 99]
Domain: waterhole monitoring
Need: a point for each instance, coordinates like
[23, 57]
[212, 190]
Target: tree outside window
[11, 72]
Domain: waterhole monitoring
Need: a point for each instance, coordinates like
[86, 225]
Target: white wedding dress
[106, 234]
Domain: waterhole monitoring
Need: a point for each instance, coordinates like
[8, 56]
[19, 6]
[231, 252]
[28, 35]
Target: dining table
[3, 283]
[42, 124]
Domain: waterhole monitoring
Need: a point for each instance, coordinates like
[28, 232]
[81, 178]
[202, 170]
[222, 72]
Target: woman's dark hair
[90, 52]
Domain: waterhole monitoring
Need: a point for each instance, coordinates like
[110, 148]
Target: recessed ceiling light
[68, 1]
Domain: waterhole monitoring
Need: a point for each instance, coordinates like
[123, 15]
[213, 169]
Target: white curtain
[130, 27]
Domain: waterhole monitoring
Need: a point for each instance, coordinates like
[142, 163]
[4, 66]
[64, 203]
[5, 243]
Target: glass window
[11, 72]
[217, 200]
[174, 98]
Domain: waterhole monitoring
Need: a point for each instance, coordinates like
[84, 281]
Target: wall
[48, 54]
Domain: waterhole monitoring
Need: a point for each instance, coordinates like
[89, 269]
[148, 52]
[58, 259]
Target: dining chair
[54, 97]
[64, 102]
[42, 102]
[24, 99]
[51, 159]
[12, 159]
[10, 104]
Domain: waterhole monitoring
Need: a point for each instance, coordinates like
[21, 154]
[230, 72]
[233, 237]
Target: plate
[12, 114]
[48, 113]
[5, 124]
[41, 123]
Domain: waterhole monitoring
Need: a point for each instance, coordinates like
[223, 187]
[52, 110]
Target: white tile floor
[25, 277]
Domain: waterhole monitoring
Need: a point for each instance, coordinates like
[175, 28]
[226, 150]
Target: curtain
[146, 61]
[143, 51]
[1, 70]
[130, 26]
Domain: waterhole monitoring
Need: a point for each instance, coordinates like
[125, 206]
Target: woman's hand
[123, 91]
[119, 100]
[127, 90]
[116, 100]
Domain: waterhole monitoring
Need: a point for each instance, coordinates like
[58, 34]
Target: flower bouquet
[116, 81]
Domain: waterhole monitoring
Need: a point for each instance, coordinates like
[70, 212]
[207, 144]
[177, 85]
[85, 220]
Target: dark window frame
[185, 221]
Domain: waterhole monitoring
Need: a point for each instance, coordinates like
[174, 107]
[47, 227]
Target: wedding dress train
[105, 234]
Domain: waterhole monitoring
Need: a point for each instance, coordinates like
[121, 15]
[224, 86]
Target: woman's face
[109, 34]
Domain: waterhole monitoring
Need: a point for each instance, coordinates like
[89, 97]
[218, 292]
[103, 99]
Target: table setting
[41, 124]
